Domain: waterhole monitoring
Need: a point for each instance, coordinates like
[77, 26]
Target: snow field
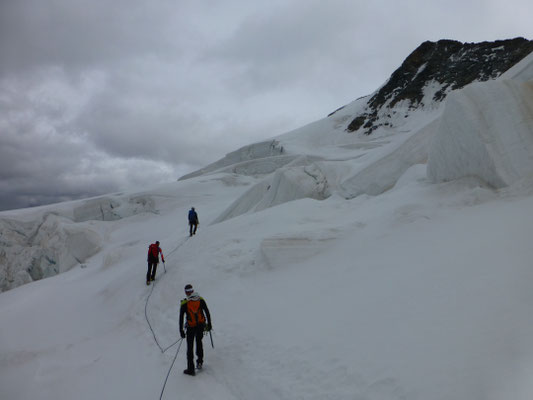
[420, 286]
[423, 288]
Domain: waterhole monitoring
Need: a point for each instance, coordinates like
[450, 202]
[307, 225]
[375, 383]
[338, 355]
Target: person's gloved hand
[163, 259]
[182, 334]
[208, 327]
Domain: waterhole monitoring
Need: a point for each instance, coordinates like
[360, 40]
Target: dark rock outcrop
[448, 63]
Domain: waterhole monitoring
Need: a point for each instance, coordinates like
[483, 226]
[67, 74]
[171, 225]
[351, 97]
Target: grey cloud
[80, 33]
[45, 156]
[96, 96]
[131, 123]
[321, 49]
[285, 45]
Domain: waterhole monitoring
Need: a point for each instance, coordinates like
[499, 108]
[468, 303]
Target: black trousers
[195, 333]
[152, 268]
[191, 226]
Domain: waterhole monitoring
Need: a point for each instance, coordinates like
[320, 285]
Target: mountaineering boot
[189, 372]
[148, 281]
[152, 278]
[199, 364]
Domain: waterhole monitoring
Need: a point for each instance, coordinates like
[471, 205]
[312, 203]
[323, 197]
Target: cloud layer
[100, 96]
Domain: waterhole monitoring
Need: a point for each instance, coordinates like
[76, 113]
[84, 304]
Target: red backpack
[154, 250]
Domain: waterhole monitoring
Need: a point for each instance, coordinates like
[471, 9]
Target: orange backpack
[195, 315]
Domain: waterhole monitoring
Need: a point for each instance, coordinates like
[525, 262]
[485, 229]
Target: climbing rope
[170, 369]
[148, 321]
[178, 246]
[180, 340]
[148, 299]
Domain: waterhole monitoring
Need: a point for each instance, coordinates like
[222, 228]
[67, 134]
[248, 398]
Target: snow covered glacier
[336, 264]
[483, 130]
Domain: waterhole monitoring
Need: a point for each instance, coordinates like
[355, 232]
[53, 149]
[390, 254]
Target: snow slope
[346, 269]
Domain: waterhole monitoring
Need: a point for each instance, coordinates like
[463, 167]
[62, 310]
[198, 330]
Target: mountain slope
[435, 69]
[343, 273]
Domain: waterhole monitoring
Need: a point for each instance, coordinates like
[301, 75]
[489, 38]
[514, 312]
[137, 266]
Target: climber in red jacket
[153, 260]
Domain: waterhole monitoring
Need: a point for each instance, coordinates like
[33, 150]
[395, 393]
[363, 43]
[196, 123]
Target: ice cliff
[486, 131]
[44, 241]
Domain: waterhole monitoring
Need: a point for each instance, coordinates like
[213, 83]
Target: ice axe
[211, 337]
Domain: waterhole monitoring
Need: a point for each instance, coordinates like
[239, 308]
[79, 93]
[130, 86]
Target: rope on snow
[180, 340]
[170, 369]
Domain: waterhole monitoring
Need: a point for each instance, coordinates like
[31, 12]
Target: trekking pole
[164, 266]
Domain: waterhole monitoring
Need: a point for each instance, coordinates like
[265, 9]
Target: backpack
[153, 250]
[195, 314]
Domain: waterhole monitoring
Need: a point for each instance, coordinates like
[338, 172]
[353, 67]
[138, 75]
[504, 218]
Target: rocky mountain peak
[447, 65]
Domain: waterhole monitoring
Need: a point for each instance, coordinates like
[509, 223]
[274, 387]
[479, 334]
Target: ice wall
[286, 184]
[256, 151]
[42, 248]
[383, 174]
[520, 72]
[43, 242]
[486, 131]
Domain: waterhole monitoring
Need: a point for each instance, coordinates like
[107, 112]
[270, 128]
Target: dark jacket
[193, 217]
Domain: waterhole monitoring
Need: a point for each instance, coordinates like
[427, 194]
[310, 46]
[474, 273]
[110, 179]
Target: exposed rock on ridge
[448, 65]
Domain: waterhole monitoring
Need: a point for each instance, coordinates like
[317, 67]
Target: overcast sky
[101, 96]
